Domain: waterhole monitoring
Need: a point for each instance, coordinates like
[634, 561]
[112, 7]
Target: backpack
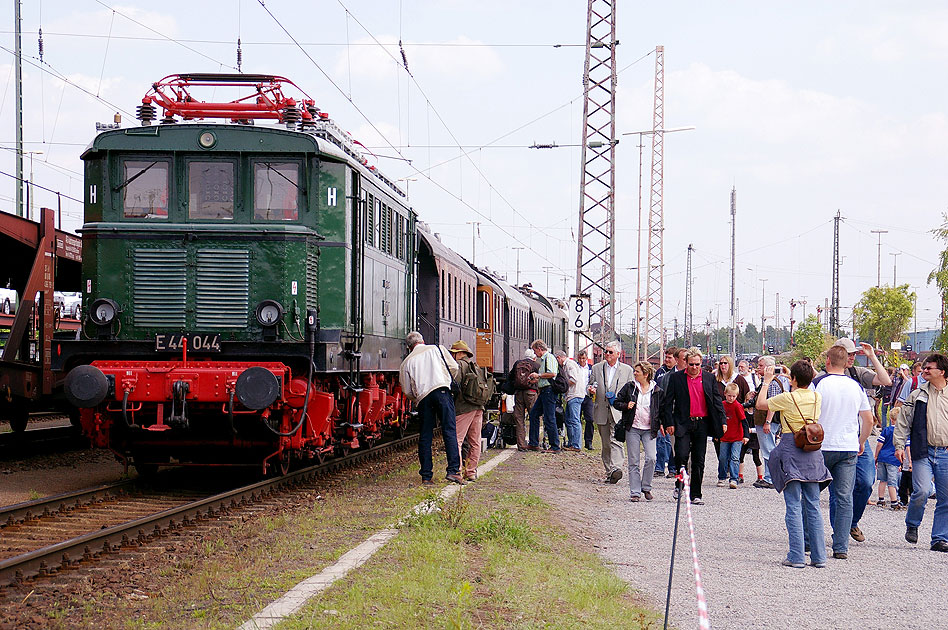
[477, 385]
[508, 434]
[560, 383]
[491, 433]
[521, 372]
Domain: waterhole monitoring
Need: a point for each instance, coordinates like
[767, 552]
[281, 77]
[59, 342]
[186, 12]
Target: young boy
[887, 468]
[733, 437]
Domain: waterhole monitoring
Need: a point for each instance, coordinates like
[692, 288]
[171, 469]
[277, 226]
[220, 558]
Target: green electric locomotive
[247, 287]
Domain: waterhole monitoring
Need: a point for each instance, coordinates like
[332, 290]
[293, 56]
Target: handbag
[455, 386]
[619, 433]
[810, 436]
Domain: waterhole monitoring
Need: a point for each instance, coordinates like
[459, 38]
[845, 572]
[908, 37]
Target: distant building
[922, 340]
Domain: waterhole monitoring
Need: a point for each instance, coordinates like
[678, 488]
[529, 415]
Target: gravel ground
[741, 539]
[44, 475]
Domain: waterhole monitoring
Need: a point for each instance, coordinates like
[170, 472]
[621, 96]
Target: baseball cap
[904, 366]
[847, 343]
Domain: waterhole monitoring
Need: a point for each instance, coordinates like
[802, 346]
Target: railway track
[42, 439]
[96, 521]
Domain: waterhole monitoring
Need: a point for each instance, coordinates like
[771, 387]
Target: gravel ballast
[741, 540]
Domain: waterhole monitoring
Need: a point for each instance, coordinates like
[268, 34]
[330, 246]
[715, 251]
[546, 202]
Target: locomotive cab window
[211, 190]
[276, 191]
[145, 189]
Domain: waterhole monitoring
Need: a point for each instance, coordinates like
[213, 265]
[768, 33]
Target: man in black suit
[691, 411]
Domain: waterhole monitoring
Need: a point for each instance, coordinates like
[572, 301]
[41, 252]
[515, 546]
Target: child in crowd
[887, 468]
[905, 484]
[733, 437]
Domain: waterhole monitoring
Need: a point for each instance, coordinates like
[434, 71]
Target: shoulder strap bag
[455, 386]
[810, 436]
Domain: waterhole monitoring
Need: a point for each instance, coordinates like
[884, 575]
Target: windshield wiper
[134, 177]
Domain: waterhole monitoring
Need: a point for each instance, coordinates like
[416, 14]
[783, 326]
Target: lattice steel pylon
[654, 304]
[689, 335]
[596, 254]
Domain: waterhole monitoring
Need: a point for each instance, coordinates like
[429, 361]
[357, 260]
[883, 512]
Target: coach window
[443, 311]
[276, 191]
[145, 189]
[211, 190]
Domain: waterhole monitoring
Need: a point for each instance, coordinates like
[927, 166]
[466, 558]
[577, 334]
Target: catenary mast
[595, 257]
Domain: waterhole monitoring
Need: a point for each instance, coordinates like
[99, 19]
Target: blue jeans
[924, 471]
[865, 479]
[768, 442]
[545, 405]
[663, 453]
[804, 499]
[842, 465]
[438, 405]
[573, 426]
[729, 457]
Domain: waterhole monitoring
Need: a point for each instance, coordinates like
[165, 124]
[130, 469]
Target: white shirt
[643, 405]
[610, 372]
[843, 399]
[423, 371]
[578, 377]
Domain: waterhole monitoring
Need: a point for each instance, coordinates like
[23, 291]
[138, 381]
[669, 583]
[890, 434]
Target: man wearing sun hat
[470, 416]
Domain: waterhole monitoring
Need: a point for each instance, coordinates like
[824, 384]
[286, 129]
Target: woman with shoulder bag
[798, 472]
[639, 401]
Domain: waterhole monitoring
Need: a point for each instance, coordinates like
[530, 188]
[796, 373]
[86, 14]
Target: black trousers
[694, 445]
[905, 486]
[590, 428]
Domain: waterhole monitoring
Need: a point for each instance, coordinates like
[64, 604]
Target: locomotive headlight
[103, 311]
[269, 313]
[207, 140]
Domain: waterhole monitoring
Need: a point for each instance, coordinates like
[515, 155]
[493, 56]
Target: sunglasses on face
[610, 352]
[722, 363]
[695, 364]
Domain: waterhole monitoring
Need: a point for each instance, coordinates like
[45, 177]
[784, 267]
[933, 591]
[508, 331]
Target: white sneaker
[721, 483]
[733, 485]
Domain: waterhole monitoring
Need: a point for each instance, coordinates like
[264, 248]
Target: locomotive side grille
[160, 287]
[311, 275]
[223, 288]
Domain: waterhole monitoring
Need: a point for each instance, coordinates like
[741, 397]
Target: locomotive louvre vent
[311, 276]
[223, 288]
[160, 287]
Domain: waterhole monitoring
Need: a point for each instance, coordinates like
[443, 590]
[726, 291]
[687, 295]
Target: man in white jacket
[425, 376]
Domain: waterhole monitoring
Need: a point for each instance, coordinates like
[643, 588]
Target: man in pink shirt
[692, 411]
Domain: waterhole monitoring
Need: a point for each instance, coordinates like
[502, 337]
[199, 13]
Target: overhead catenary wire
[381, 135]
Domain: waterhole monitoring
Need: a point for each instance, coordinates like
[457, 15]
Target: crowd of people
[665, 418]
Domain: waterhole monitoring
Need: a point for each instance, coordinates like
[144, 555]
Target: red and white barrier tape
[704, 622]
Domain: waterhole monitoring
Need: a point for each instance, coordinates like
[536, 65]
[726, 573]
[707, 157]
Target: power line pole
[763, 331]
[895, 257]
[879, 257]
[475, 228]
[654, 307]
[18, 63]
[732, 342]
[689, 322]
[834, 305]
[776, 321]
[595, 256]
[517, 249]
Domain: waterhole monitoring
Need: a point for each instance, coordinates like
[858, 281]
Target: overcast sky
[805, 108]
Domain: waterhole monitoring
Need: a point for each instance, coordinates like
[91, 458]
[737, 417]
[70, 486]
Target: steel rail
[35, 437]
[27, 510]
[82, 548]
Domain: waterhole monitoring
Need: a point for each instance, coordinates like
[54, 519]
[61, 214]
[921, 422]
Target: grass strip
[489, 558]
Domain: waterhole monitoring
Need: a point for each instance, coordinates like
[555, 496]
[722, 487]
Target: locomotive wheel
[146, 471]
[19, 414]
